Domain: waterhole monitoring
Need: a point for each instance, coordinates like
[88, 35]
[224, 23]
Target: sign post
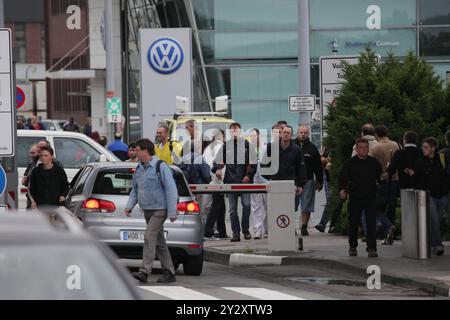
[114, 108]
[331, 78]
[7, 96]
[302, 103]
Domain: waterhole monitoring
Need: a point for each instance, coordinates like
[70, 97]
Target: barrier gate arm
[229, 188]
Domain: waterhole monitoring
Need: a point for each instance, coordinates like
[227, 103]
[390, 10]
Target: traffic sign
[20, 97]
[114, 108]
[3, 181]
[303, 103]
[7, 96]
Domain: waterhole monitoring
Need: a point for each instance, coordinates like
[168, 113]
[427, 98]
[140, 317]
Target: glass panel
[23, 147]
[259, 82]
[398, 41]
[74, 153]
[434, 12]
[248, 45]
[262, 114]
[353, 13]
[245, 15]
[441, 69]
[435, 43]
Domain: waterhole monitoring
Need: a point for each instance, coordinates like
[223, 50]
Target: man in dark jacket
[446, 152]
[358, 179]
[431, 171]
[239, 158]
[404, 161]
[291, 165]
[313, 164]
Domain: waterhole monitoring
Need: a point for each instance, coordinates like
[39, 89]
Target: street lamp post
[304, 71]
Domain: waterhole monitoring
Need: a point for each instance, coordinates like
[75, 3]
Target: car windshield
[207, 129]
[58, 272]
[119, 182]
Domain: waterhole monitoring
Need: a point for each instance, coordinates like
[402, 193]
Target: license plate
[135, 235]
[132, 235]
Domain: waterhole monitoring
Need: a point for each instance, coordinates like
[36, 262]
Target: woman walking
[48, 182]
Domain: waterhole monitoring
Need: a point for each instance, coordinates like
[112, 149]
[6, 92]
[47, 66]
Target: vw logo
[165, 55]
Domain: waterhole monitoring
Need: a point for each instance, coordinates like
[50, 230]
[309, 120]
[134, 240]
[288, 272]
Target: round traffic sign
[2, 181]
[283, 221]
[20, 97]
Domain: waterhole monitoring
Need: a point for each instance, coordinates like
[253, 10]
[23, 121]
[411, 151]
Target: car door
[76, 195]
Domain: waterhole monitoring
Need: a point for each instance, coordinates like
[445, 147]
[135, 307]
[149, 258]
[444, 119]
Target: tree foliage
[403, 95]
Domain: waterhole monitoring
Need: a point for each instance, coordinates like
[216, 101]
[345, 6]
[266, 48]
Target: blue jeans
[234, 217]
[437, 206]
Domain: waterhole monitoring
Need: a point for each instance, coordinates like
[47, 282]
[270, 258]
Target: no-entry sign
[20, 98]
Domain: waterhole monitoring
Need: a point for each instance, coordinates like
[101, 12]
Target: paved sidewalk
[330, 250]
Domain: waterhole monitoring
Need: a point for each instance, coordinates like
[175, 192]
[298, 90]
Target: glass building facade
[248, 49]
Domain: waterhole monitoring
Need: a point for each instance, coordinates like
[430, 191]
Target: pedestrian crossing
[215, 293]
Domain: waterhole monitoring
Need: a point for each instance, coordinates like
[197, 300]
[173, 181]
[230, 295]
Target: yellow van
[205, 120]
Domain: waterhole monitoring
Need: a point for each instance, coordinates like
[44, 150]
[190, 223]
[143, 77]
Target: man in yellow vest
[166, 150]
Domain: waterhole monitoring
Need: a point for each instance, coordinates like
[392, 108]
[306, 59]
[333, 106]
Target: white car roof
[67, 134]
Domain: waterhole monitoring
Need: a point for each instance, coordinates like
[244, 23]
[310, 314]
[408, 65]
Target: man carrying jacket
[313, 164]
[239, 159]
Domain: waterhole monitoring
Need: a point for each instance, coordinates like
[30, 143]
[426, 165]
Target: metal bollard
[415, 224]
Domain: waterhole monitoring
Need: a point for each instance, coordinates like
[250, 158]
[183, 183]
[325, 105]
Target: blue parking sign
[3, 181]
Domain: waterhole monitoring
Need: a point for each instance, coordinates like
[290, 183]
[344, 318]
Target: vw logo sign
[165, 55]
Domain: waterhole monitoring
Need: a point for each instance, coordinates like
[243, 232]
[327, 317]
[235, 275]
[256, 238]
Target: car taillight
[188, 208]
[97, 205]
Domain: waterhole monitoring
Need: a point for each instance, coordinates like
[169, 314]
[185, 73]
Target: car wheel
[193, 265]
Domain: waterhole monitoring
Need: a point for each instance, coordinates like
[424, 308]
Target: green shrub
[403, 95]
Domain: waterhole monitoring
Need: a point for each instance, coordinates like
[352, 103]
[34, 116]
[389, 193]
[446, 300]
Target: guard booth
[280, 209]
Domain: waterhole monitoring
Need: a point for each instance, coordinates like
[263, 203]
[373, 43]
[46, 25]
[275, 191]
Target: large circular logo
[165, 55]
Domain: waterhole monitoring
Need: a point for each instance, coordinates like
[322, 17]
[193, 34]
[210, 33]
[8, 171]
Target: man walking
[404, 161]
[313, 163]
[119, 148]
[236, 156]
[167, 150]
[158, 198]
[431, 171]
[358, 180]
[258, 201]
[291, 163]
[446, 152]
[388, 191]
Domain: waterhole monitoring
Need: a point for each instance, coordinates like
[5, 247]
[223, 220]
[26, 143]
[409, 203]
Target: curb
[239, 259]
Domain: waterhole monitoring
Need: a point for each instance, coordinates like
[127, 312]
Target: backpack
[158, 171]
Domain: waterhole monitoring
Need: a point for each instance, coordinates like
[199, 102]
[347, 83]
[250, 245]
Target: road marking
[264, 294]
[178, 293]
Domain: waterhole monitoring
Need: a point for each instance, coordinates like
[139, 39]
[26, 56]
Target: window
[81, 180]
[21, 42]
[435, 43]
[117, 182]
[332, 14]
[434, 12]
[74, 153]
[398, 41]
[23, 147]
[245, 15]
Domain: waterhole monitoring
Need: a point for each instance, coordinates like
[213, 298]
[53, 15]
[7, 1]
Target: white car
[73, 150]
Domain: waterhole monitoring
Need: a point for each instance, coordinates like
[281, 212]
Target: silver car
[48, 256]
[98, 196]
